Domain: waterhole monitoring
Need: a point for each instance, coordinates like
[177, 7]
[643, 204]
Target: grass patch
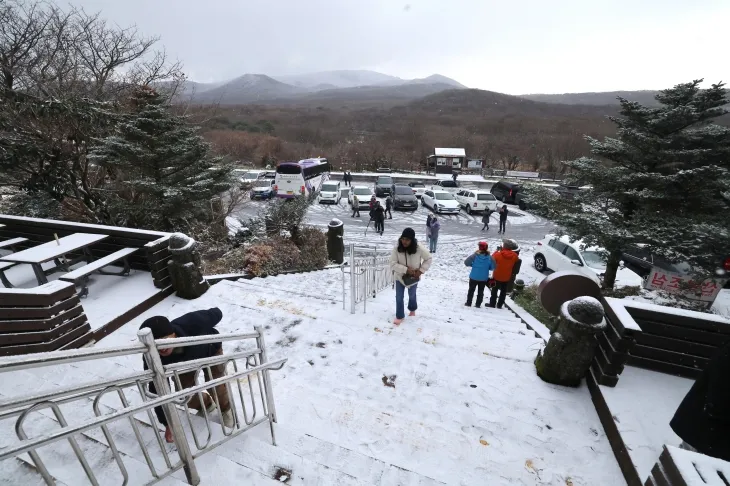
[528, 301]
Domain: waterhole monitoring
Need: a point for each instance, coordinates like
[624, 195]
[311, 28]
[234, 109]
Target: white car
[440, 202]
[364, 194]
[558, 254]
[475, 201]
[263, 189]
[418, 188]
[448, 185]
[251, 176]
[330, 193]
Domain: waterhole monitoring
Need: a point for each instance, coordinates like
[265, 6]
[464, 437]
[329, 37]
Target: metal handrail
[165, 398]
[67, 432]
[369, 273]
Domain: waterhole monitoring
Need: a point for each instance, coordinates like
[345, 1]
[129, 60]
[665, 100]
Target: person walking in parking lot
[389, 206]
[505, 259]
[435, 227]
[485, 218]
[481, 263]
[355, 206]
[379, 217]
[428, 229]
[408, 261]
[503, 219]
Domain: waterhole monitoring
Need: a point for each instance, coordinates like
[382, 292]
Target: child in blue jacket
[481, 263]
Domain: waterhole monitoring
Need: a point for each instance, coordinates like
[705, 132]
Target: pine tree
[664, 181]
[162, 174]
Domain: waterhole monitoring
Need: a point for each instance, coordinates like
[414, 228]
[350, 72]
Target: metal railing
[369, 273]
[256, 372]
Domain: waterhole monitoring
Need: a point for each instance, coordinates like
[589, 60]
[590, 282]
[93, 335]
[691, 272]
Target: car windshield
[262, 184]
[329, 188]
[417, 184]
[404, 191]
[362, 191]
[250, 175]
[594, 259]
[385, 180]
[444, 196]
[448, 184]
[486, 197]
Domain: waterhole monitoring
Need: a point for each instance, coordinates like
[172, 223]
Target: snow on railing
[369, 271]
[77, 397]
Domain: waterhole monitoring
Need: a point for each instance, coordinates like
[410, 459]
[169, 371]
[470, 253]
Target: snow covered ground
[466, 406]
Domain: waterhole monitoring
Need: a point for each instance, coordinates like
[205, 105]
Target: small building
[446, 160]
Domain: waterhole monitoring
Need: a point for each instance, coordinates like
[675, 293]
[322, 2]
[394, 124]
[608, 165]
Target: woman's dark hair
[413, 248]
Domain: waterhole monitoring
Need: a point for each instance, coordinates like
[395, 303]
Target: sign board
[474, 164]
[524, 175]
[674, 283]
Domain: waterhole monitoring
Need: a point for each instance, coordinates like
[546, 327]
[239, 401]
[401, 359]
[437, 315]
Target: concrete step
[62, 463]
[426, 448]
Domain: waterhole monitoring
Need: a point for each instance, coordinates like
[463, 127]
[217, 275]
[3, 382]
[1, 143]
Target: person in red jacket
[505, 258]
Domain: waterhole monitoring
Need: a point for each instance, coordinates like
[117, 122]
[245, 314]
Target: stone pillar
[570, 350]
[518, 288]
[335, 241]
[184, 266]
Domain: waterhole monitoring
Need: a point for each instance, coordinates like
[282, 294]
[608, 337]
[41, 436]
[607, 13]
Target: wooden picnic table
[55, 250]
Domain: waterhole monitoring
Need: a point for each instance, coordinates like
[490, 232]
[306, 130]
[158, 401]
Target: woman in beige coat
[408, 261]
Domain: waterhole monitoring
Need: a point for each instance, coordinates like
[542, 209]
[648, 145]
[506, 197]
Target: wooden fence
[678, 467]
[614, 344]
[45, 318]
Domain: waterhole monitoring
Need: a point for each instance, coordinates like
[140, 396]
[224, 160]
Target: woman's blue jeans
[432, 244]
[400, 290]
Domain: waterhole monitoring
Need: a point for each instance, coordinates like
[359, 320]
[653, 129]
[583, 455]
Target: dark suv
[383, 186]
[506, 191]
[404, 198]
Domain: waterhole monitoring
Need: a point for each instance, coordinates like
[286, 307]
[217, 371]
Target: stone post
[184, 266]
[571, 348]
[335, 242]
[518, 288]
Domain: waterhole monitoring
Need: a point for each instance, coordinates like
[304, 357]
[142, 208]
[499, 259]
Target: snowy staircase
[448, 397]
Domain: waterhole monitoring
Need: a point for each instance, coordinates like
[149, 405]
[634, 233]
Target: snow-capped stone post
[518, 288]
[335, 241]
[184, 266]
[571, 348]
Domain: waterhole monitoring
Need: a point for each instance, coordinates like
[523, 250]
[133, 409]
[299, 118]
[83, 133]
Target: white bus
[301, 178]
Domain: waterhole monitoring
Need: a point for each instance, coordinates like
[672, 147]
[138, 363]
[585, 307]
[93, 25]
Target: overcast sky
[516, 47]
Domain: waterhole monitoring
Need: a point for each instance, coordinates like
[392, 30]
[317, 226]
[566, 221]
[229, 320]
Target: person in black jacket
[197, 323]
[702, 420]
[502, 220]
[389, 206]
[379, 216]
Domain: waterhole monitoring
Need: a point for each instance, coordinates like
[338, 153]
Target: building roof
[450, 152]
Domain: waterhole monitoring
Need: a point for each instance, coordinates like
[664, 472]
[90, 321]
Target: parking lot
[458, 228]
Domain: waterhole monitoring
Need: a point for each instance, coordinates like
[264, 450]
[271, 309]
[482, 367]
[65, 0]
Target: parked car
[383, 186]
[567, 192]
[387, 170]
[404, 197]
[330, 193]
[269, 174]
[363, 195]
[263, 189]
[476, 201]
[418, 188]
[506, 191]
[248, 178]
[447, 185]
[440, 202]
[558, 253]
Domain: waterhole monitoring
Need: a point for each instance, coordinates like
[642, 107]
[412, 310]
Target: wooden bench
[5, 266]
[11, 243]
[81, 274]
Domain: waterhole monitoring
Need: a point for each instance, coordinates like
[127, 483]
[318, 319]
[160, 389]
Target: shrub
[313, 247]
[272, 257]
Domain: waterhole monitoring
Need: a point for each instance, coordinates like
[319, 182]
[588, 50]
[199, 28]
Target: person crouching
[197, 323]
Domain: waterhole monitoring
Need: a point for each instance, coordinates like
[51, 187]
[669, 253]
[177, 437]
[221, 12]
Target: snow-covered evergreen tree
[664, 180]
[161, 171]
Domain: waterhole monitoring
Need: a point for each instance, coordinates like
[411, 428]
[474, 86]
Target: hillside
[645, 97]
[249, 88]
[338, 79]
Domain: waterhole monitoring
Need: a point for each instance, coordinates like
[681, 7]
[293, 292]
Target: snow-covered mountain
[339, 79]
[328, 85]
[249, 88]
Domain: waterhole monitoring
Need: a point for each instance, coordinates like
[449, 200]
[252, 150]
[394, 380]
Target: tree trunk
[612, 264]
